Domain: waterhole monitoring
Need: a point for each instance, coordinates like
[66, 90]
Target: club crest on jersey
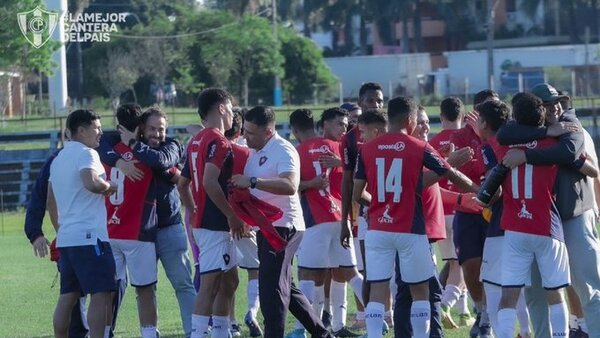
[128, 156]
[324, 149]
[386, 218]
[524, 213]
[262, 160]
[398, 146]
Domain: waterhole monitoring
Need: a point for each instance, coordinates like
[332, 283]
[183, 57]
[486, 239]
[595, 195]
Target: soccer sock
[356, 284]
[573, 324]
[360, 315]
[462, 306]
[420, 318]
[374, 319]
[220, 328]
[485, 319]
[327, 301]
[308, 289]
[582, 325]
[450, 295]
[522, 314]
[338, 300]
[506, 323]
[319, 300]
[253, 300]
[199, 325]
[559, 320]
[148, 331]
[493, 293]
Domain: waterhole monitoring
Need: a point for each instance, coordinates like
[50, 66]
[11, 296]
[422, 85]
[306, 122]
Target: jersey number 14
[390, 182]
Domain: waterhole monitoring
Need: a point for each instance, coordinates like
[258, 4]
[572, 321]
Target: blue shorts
[469, 235]
[87, 269]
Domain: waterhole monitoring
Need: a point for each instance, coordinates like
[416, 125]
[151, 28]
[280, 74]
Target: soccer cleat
[389, 321]
[235, 330]
[298, 333]
[252, 325]
[447, 320]
[465, 319]
[474, 332]
[345, 332]
[577, 333]
[326, 319]
[485, 331]
[385, 328]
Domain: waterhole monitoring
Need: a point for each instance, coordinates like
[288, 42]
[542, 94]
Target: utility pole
[277, 95]
[491, 11]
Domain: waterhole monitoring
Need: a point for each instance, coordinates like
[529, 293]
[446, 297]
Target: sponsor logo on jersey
[528, 145]
[398, 146]
[212, 150]
[324, 149]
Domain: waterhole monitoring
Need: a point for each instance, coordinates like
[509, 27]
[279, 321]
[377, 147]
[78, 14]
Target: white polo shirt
[81, 213]
[278, 156]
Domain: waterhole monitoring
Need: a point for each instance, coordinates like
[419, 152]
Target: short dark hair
[236, 125]
[401, 108]
[81, 118]
[302, 119]
[128, 115]
[373, 116]
[368, 86]
[260, 115]
[495, 113]
[208, 98]
[331, 113]
[484, 95]
[451, 107]
[529, 110]
[516, 98]
[152, 111]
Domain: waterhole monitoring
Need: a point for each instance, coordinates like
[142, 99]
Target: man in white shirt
[77, 188]
[272, 173]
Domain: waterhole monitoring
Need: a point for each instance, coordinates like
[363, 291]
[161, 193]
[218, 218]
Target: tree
[117, 74]
[304, 67]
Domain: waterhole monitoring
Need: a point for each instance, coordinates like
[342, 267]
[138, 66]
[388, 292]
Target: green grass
[30, 289]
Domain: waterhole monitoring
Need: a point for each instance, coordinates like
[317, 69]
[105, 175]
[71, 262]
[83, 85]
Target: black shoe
[345, 332]
[474, 333]
[326, 319]
[252, 325]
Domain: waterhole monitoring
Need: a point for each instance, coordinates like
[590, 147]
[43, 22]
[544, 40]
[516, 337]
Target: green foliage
[559, 77]
[304, 67]
[17, 54]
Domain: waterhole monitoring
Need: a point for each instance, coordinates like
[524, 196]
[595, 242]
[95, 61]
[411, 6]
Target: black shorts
[469, 235]
[87, 269]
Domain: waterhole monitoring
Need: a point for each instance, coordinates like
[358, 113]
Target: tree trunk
[306, 18]
[363, 35]
[573, 23]
[245, 81]
[417, 27]
[349, 33]
[405, 43]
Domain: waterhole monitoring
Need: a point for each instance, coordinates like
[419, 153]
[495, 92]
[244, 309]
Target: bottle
[492, 183]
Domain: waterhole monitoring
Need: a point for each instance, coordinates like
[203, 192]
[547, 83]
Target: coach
[272, 173]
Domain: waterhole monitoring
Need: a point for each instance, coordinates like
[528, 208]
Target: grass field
[30, 288]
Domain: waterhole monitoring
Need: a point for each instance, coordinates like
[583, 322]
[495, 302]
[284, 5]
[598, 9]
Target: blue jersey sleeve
[36, 208]
[360, 173]
[162, 158]
[489, 157]
[107, 154]
[434, 162]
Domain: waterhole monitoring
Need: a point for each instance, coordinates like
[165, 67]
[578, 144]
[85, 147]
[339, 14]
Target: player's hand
[472, 118]
[469, 201]
[40, 246]
[330, 161]
[460, 157]
[345, 235]
[128, 136]
[129, 169]
[514, 158]
[319, 182]
[238, 227]
[559, 128]
[240, 181]
[447, 149]
[112, 188]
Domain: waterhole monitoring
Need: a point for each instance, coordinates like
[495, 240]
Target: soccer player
[533, 229]
[320, 199]
[246, 245]
[390, 167]
[132, 225]
[208, 169]
[451, 116]
[76, 189]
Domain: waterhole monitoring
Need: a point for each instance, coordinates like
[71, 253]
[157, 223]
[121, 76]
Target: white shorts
[519, 251]
[217, 251]
[447, 249]
[360, 265]
[416, 263]
[362, 228]
[248, 251]
[321, 248]
[136, 259]
[491, 262]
